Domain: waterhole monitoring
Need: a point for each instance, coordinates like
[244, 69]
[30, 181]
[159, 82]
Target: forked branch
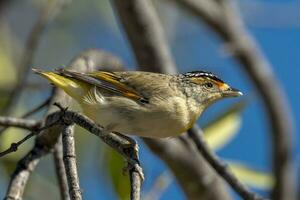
[120, 144]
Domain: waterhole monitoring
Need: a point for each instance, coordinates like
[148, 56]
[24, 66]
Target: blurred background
[245, 139]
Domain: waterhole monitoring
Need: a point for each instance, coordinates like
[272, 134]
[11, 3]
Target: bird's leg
[131, 149]
[128, 148]
[131, 142]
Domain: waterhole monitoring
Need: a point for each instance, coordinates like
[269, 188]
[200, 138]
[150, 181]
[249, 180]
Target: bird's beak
[232, 92]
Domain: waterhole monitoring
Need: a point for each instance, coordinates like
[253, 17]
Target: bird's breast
[159, 119]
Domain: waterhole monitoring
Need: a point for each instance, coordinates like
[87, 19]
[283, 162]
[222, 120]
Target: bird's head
[206, 87]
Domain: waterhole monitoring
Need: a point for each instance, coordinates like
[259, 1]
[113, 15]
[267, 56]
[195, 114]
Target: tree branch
[220, 168]
[228, 25]
[119, 143]
[19, 123]
[21, 175]
[69, 157]
[60, 170]
[14, 146]
[136, 184]
[146, 35]
[29, 113]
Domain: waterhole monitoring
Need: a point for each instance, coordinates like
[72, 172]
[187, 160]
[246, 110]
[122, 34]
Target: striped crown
[202, 74]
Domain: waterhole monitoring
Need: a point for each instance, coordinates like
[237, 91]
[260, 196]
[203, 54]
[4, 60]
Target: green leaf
[115, 165]
[10, 136]
[221, 130]
[252, 177]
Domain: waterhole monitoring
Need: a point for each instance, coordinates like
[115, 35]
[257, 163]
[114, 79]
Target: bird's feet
[133, 166]
[131, 149]
[132, 144]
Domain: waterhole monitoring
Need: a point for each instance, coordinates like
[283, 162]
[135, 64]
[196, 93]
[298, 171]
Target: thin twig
[20, 123]
[21, 175]
[227, 23]
[220, 167]
[135, 172]
[121, 144]
[69, 158]
[136, 182]
[60, 170]
[14, 146]
[190, 169]
[31, 112]
[136, 176]
[115, 141]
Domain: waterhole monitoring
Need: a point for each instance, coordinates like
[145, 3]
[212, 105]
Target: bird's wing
[107, 81]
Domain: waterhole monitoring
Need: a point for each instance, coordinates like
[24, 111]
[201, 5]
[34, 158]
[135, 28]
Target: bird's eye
[208, 85]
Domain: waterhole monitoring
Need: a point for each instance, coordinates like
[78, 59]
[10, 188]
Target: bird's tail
[75, 88]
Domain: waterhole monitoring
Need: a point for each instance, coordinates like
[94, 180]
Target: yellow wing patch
[114, 81]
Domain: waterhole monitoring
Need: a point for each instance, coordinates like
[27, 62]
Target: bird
[145, 104]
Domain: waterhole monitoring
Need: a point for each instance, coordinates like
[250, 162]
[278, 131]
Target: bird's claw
[134, 167]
